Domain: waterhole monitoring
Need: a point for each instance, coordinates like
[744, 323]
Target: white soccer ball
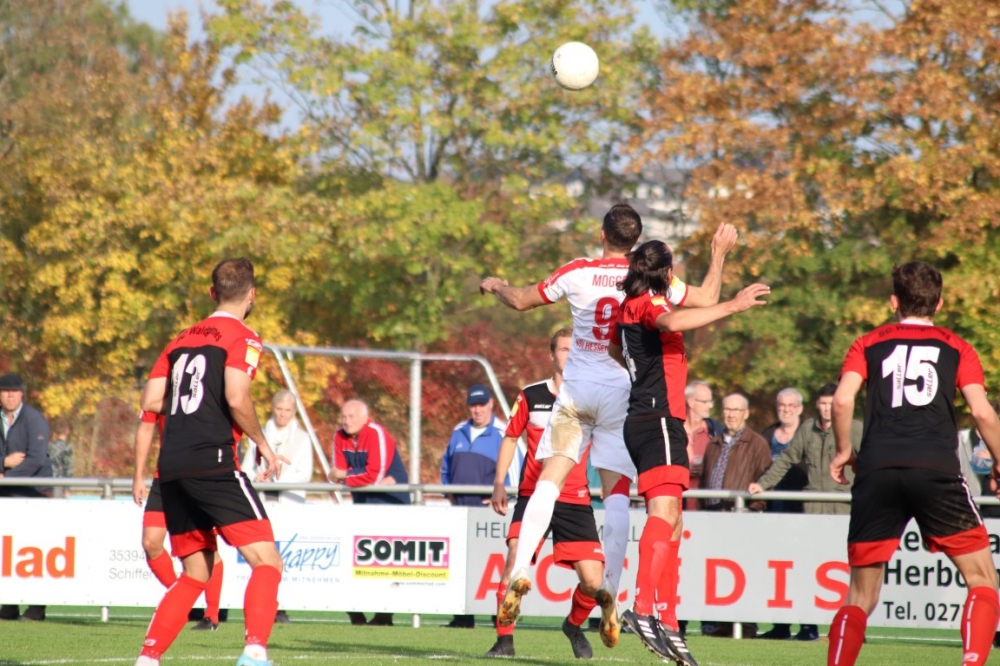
[575, 65]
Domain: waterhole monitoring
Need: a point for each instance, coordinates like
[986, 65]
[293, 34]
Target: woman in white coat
[290, 442]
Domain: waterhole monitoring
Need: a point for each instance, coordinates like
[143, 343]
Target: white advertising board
[367, 558]
[745, 567]
[735, 567]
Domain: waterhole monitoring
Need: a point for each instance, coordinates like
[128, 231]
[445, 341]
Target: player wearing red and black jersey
[908, 462]
[575, 541]
[201, 384]
[647, 342]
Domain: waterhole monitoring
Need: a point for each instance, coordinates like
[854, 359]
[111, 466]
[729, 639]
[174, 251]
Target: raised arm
[708, 293]
[688, 319]
[516, 298]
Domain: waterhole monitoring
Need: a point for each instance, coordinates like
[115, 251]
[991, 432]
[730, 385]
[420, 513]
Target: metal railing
[109, 487]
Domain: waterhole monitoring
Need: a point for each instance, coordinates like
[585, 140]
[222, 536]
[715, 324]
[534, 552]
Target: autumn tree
[127, 180]
[840, 145]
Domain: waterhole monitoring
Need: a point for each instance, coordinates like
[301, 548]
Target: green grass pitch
[77, 636]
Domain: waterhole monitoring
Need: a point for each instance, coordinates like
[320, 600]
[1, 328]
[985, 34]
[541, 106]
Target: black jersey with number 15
[911, 372]
[199, 435]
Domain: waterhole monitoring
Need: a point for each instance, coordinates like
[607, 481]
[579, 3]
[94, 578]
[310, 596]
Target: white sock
[146, 661]
[537, 516]
[616, 525]
[258, 652]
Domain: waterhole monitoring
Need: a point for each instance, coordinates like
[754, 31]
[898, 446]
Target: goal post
[416, 364]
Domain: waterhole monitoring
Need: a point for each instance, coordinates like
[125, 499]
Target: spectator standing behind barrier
[61, 455]
[700, 430]
[471, 459]
[788, 407]
[24, 449]
[732, 460]
[288, 440]
[364, 454]
[812, 445]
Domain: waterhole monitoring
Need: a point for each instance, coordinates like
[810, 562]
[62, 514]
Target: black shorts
[884, 500]
[196, 507]
[154, 502]
[658, 448]
[152, 514]
[573, 528]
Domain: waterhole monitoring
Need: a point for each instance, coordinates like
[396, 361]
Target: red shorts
[198, 506]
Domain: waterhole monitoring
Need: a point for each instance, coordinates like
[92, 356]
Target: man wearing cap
[471, 459]
[24, 449]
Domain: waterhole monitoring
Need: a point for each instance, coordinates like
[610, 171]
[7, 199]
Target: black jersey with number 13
[200, 436]
[911, 372]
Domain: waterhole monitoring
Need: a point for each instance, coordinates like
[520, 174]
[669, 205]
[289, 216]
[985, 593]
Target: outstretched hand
[724, 239]
[272, 465]
[750, 296]
[488, 285]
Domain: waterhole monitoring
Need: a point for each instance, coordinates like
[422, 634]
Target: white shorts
[584, 412]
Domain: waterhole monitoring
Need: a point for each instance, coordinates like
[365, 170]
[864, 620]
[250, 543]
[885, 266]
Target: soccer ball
[574, 65]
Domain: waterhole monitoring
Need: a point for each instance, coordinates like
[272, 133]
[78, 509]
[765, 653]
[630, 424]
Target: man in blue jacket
[24, 452]
[471, 459]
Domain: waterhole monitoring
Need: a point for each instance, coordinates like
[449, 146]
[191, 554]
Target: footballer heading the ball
[575, 65]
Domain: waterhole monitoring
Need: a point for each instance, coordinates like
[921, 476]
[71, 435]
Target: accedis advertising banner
[747, 567]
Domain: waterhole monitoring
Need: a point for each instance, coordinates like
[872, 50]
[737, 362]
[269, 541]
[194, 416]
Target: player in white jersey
[593, 398]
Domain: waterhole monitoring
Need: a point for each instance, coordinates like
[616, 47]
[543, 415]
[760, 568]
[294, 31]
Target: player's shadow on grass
[398, 650]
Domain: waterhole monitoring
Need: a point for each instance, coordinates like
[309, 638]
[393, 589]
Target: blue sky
[330, 12]
[332, 15]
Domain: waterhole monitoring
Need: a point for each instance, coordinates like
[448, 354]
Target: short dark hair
[917, 286]
[826, 390]
[622, 227]
[232, 279]
[647, 269]
[561, 333]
